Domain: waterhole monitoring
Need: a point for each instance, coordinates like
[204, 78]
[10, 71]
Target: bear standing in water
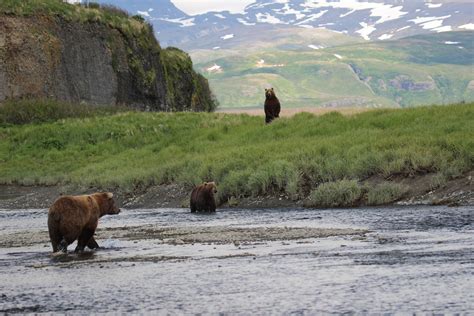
[272, 106]
[202, 198]
[77, 217]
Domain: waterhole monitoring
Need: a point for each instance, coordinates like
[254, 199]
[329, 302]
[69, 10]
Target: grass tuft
[385, 193]
[342, 193]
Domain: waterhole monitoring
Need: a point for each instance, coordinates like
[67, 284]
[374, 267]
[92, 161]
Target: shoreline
[456, 192]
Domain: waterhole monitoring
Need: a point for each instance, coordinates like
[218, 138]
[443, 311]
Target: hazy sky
[193, 7]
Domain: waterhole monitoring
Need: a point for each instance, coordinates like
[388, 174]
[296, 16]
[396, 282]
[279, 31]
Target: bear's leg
[92, 244]
[55, 244]
[212, 207]
[54, 233]
[63, 245]
[84, 239]
[55, 241]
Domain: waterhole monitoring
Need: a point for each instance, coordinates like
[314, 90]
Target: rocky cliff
[93, 55]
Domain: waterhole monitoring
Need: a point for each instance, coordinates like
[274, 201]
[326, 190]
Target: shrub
[139, 18]
[336, 194]
[93, 5]
[438, 181]
[385, 193]
[113, 10]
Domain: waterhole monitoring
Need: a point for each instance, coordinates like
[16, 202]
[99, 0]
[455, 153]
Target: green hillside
[293, 156]
[420, 70]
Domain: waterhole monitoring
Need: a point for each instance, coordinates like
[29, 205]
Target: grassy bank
[303, 156]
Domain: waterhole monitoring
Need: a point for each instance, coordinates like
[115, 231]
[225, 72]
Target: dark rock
[52, 57]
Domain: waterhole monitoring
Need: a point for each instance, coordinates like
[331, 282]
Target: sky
[193, 7]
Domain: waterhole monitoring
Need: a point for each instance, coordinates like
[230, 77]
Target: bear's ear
[109, 195]
[205, 183]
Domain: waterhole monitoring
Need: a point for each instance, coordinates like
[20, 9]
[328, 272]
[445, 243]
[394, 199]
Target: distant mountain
[329, 53]
[366, 19]
[426, 69]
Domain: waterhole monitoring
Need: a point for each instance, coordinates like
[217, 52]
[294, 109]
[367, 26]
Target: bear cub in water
[202, 198]
[77, 217]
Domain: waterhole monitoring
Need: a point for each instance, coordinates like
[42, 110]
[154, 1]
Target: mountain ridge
[367, 19]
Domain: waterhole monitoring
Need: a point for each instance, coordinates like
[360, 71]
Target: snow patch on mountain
[433, 23]
[268, 18]
[446, 28]
[244, 22]
[469, 26]
[433, 5]
[346, 14]
[366, 30]
[228, 36]
[313, 17]
[184, 22]
[194, 7]
[424, 19]
[385, 37]
[403, 28]
[385, 12]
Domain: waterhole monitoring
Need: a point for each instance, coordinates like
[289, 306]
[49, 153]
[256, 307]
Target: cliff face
[50, 56]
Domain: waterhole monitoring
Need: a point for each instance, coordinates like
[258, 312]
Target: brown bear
[272, 106]
[202, 198]
[76, 217]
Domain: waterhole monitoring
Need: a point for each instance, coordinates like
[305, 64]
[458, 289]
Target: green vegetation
[336, 194]
[330, 154]
[420, 70]
[182, 80]
[385, 193]
[110, 15]
[41, 111]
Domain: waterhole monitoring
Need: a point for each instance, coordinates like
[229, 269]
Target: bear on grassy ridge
[272, 106]
[77, 217]
[202, 198]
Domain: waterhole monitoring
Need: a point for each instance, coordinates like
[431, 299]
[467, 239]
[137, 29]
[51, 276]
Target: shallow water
[417, 259]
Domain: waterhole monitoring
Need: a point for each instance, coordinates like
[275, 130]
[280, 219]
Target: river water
[292, 261]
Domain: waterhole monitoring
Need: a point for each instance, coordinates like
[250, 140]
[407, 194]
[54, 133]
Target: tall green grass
[27, 111]
[292, 156]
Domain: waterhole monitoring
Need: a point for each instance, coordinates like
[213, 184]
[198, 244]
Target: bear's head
[270, 93]
[106, 203]
[210, 187]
